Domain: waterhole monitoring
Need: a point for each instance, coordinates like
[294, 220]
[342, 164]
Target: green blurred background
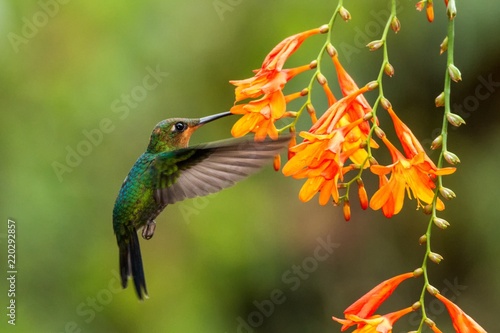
[215, 263]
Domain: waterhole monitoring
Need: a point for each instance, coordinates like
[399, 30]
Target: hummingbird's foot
[148, 230]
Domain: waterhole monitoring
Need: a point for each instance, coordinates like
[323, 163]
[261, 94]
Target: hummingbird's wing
[209, 168]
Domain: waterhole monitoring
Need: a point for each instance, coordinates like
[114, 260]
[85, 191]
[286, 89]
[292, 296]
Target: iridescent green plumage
[168, 172]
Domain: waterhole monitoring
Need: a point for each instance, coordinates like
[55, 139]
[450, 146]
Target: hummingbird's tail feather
[131, 264]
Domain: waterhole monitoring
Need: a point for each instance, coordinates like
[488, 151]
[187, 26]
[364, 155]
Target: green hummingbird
[170, 171]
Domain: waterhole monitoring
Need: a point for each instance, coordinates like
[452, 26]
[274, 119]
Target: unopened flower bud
[368, 116]
[372, 161]
[313, 64]
[430, 11]
[395, 24]
[363, 196]
[344, 13]
[304, 92]
[416, 306]
[451, 158]
[454, 72]
[332, 51]
[422, 240]
[312, 112]
[455, 119]
[321, 79]
[435, 257]
[385, 103]
[432, 290]
[439, 100]
[420, 5]
[324, 28]
[444, 46]
[292, 143]
[427, 209]
[379, 132]
[451, 10]
[375, 45]
[417, 272]
[277, 162]
[441, 223]
[347, 210]
[372, 85]
[437, 142]
[389, 70]
[447, 193]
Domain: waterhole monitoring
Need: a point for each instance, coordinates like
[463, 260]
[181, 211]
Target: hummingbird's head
[175, 133]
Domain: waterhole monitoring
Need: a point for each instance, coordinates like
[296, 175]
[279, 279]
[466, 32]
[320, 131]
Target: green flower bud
[389, 70]
[451, 158]
[437, 142]
[439, 100]
[454, 73]
[441, 223]
[375, 45]
[435, 257]
[344, 13]
[447, 193]
[422, 240]
[395, 24]
[455, 119]
[444, 46]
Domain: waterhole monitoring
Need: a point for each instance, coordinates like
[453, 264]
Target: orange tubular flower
[409, 141]
[322, 154]
[374, 324]
[260, 115]
[369, 303]
[348, 86]
[275, 60]
[461, 321]
[413, 174]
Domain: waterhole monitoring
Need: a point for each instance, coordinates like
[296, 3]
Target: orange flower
[410, 143]
[461, 321]
[325, 149]
[260, 115]
[369, 303]
[361, 106]
[413, 175]
[265, 82]
[374, 324]
[275, 60]
[315, 159]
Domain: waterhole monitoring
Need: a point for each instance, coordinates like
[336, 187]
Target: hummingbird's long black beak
[208, 119]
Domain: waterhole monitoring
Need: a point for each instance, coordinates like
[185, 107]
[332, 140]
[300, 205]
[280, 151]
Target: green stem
[444, 134]
[318, 67]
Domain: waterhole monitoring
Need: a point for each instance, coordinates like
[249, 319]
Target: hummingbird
[170, 171]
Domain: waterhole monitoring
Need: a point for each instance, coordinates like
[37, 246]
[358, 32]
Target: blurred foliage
[212, 260]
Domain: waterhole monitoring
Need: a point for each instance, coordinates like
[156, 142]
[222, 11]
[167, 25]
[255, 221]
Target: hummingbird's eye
[179, 126]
